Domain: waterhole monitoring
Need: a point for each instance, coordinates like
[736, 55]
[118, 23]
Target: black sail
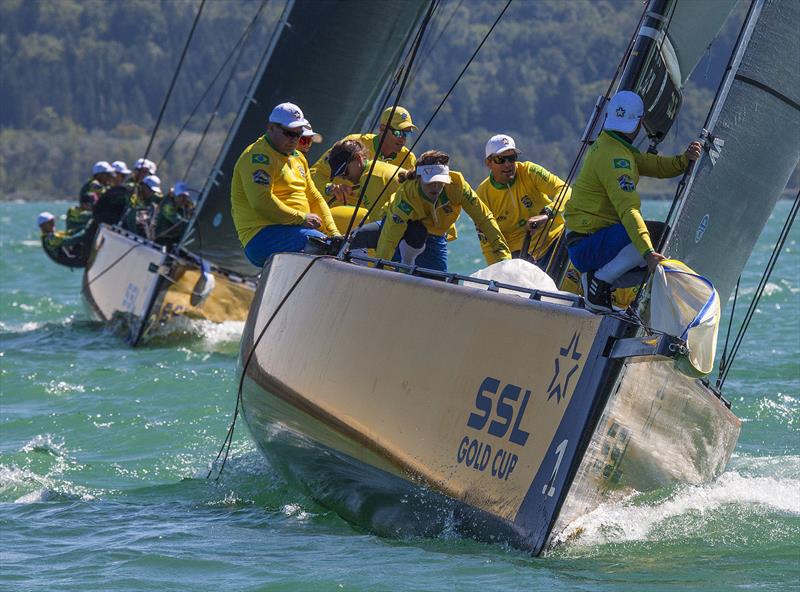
[332, 58]
[753, 148]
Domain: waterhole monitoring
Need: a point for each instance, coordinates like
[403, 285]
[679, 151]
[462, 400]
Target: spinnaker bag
[684, 304]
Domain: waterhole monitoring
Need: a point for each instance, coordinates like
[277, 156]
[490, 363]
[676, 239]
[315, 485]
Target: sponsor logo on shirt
[261, 177]
[622, 163]
[259, 159]
[526, 201]
[397, 219]
[301, 171]
[626, 183]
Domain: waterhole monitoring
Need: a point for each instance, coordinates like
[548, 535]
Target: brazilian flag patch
[622, 163]
[404, 207]
[259, 159]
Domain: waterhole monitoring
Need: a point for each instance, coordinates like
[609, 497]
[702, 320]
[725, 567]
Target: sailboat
[135, 281]
[412, 406]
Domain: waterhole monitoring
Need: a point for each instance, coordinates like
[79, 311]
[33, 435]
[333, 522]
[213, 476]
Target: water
[104, 450]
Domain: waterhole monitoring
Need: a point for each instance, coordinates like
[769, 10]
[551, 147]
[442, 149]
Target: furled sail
[332, 59]
[670, 42]
[752, 149]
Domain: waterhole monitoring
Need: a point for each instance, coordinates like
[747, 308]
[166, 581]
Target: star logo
[620, 112]
[505, 141]
[559, 385]
[404, 116]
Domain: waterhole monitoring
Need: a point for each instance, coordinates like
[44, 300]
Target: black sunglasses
[504, 159]
[289, 133]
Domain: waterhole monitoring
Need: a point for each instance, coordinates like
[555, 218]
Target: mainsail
[753, 147]
[333, 60]
[670, 42]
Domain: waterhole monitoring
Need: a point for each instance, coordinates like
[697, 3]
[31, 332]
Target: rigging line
[210, 86]
[223, 93]
[226, 445]
[174, 77]
[436, 111]
[558, 202]
[724, 359]
[418, 41]
[762, 285]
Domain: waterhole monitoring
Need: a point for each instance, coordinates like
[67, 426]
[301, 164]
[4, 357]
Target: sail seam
[777, 94]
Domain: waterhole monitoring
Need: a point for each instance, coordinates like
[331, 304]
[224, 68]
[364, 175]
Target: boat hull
[134, 283]
[411, 406]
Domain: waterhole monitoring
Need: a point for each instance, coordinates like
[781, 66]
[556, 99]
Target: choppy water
[104, 450]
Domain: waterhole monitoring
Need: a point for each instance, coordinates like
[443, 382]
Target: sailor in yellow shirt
[272, 197]
[523, 197]
[422, 211]
[393, 149]
[606, 234]
[351, 166]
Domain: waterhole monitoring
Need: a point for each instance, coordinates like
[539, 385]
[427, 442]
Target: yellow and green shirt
[381, 186]
[532, 189]
[438, 216]
[78, 218]
[605, 193]
[270, 187]
[321, 171]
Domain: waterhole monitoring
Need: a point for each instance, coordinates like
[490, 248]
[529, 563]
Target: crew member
[64, 248]
[351, 168]
[102, 178]
[606, 234]
[272, 196]
[393, 149]
[425, 208]
[523, 198]
[308, 138]
[78, 217]
[173, 214]
[121, 172]
[143, 207]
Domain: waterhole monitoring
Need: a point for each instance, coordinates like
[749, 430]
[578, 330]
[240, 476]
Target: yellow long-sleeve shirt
[321, 171]
[605, 191]
[531, 190]
[270, 187]
[410, 203]
[381, 186]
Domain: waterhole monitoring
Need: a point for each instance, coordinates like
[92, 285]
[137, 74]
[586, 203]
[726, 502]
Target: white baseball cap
[624, 111]
[44, 217]
[102, 166]
[146, 163]
[288, 115]
[153, 183]
[119, 166]
[315, 137]
[500, 143]
[182, 188]
[434, 173]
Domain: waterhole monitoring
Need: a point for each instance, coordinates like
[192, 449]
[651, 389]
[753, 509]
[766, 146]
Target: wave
[211, 336]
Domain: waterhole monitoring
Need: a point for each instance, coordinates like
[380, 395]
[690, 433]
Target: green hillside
[84, 80]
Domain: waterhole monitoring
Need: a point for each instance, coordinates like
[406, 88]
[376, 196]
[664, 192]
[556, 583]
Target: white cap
[500, 143]
[624, 111]
[315, 137]
[119, 166]
[434, 173]
[102, 166]
[44, 217]
[288, 115]
[146, 163]
[153, 183]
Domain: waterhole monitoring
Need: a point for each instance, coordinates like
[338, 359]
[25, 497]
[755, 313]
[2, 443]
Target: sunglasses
[290, 134]
[401, 133]
[504, 159]
[305, 139]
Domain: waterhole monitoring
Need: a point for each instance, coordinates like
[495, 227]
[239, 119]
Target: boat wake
[756, 490]
[212, 336]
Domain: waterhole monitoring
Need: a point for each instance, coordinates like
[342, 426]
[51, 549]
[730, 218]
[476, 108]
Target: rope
[430, 120]
[416, 45]
[724, 360]
[227, 443]
[760, 289]
[209, 87]
[174, 78]
[214, 112]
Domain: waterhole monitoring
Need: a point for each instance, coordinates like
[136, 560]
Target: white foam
[628, 520]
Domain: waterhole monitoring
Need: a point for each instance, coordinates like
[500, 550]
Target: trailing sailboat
[389, 400]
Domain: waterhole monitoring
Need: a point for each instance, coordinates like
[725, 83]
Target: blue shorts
[278, 238]
[435, 254]
[594, 251]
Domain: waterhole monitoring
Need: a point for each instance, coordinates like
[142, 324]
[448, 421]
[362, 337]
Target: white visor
[434, 173]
